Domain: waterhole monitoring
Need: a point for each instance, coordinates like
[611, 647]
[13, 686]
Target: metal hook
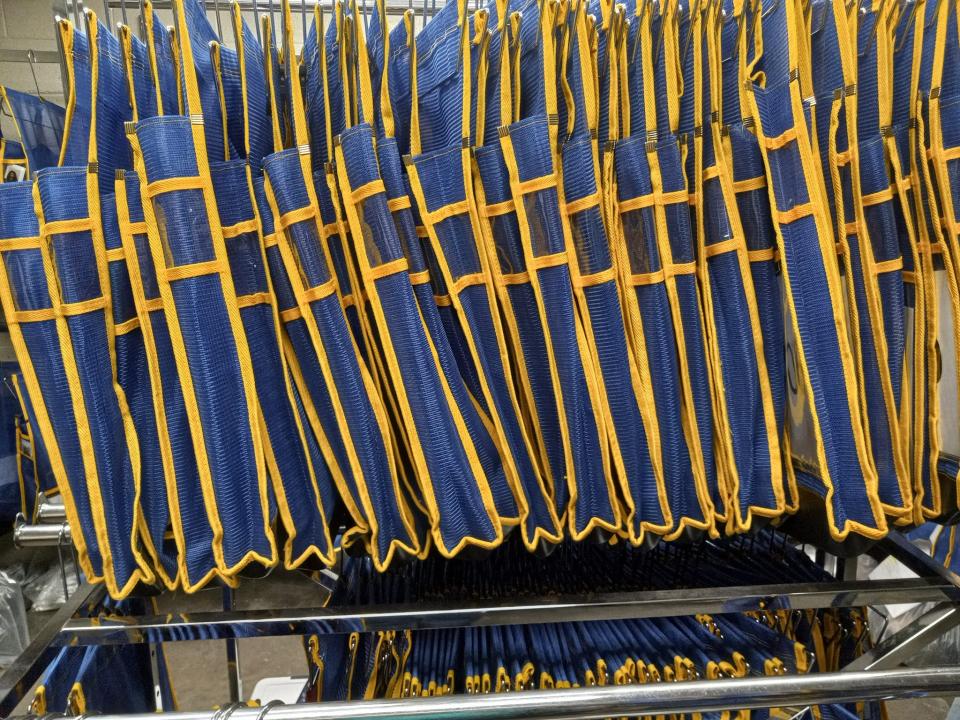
[738, 19]
[695, 8]
[106, 13]
[272, 23]
[303, 23]
[933, 19]
[907, 25]
[32, 59]
[424, 13]
[143, 23]
[766, 13]
[216, 11]
[123, 10]
[872, 40]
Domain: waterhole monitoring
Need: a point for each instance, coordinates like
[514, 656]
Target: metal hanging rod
[615, 700]
[659, 603]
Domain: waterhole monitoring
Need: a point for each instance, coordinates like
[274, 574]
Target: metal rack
[876, 675]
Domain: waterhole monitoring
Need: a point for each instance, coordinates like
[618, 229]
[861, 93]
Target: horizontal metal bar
[897, 545]
[901, 646]
[46, 535]
[16, 680]
[39, 56]
[660, 603]
[617, 700]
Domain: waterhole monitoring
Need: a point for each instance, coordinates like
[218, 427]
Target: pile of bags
[574, 270]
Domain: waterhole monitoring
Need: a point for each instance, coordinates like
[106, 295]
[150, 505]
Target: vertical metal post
[155, 672]
[303, 24]
[233, 653]
[106, 14]
[123, 12]
[216, 10]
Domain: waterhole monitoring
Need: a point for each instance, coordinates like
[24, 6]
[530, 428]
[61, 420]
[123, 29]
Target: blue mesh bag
[943, 139]
[81, 294]
[164, 64]
[672, 212]
[453, 476]
[440, 177]
[33, 461]
[199, 34]
[29, 311]
[75, 52]
[320, 94]
[302, 488]
[256, 101]
[341, 386]
[829, 449]
[627, 401]
[739, 148]
[529, 148]
[200, 302]
[192, 532]
[109, 154]
[898, 130]
[134, 378]
[141, 89]
[942, 296]
[518, 305]
[649, 321]
[748, 433]
[855, 222]
[40, 124]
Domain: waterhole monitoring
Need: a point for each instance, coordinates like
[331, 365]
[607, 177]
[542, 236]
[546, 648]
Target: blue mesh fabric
[145, 93]
[760, 235]
[945, 116]
[808, 271]
[133, 376]
[188, 506]
[112, 110]
[41, 128]
[459, 491]
[594, 502]
[347, 375]
[45, 478]
[439, 80]
[212, 354]
[28, 291]
[652, 306]
[296, 479]
[166, 76]
[529, 344]
[63, 197]
[201, 35]
[233, 99]
[616, 366]
[80, 102]
[257, 111]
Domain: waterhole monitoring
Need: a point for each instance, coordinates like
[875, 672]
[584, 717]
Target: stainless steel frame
[661, 603]
[873, 676]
